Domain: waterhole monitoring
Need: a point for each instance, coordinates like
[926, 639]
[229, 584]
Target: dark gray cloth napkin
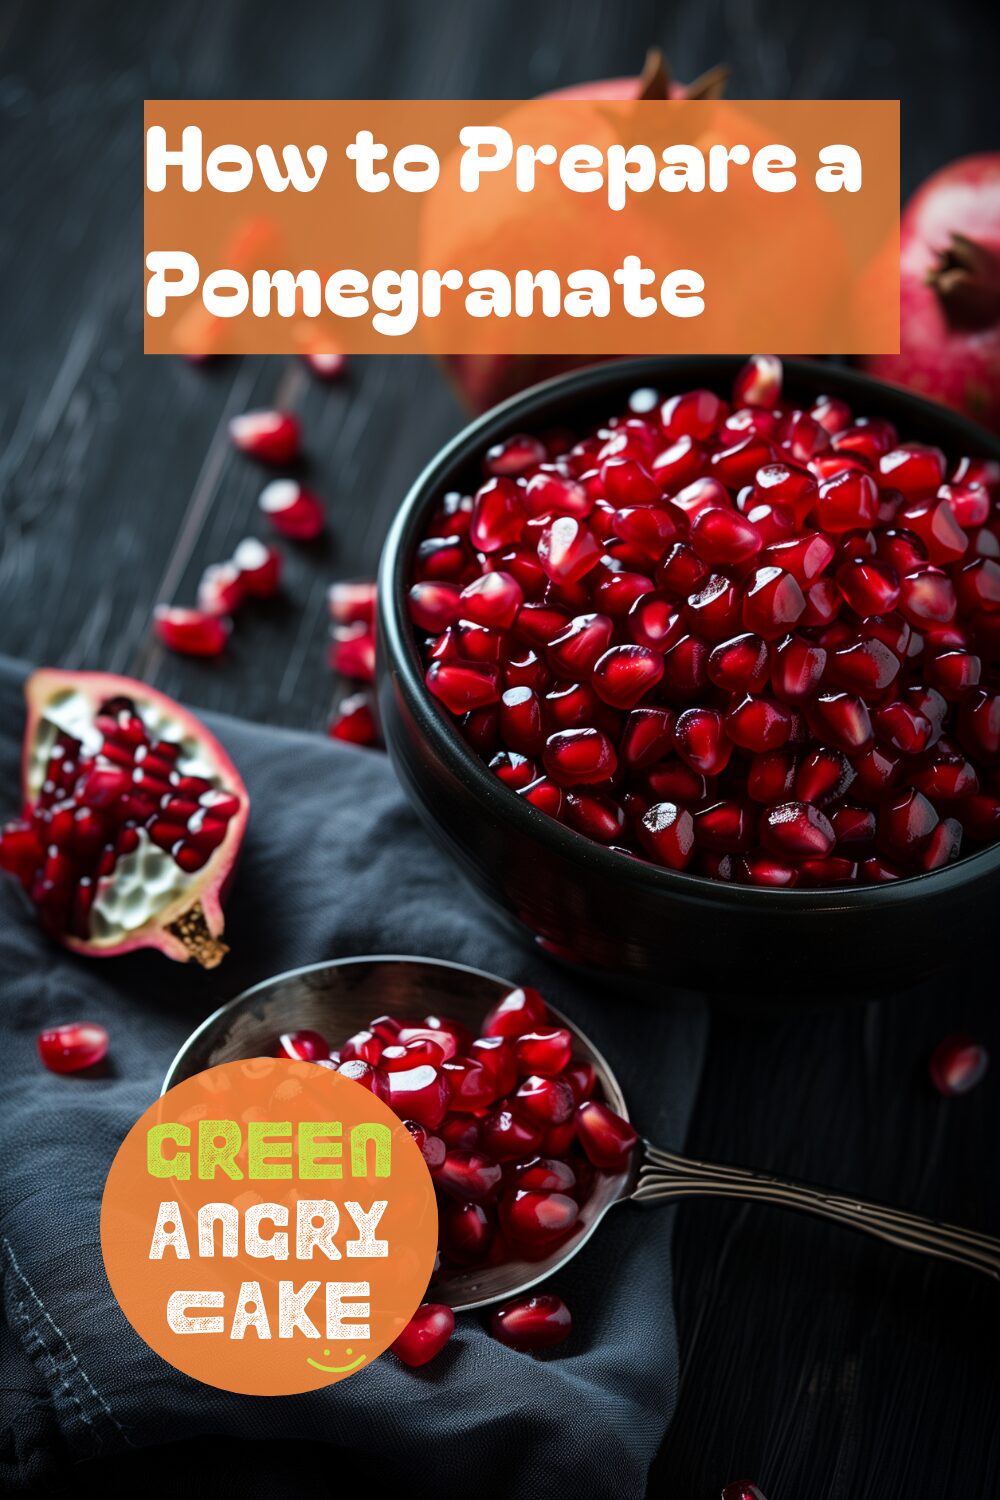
[335, 863]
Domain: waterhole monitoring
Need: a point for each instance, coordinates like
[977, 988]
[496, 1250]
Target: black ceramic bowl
[603, 910]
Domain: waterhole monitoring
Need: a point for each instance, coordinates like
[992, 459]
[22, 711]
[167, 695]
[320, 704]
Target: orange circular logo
[269, 1226]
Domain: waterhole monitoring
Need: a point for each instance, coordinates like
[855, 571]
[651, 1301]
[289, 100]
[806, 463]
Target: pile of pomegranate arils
[512, 1129]
[751, 641]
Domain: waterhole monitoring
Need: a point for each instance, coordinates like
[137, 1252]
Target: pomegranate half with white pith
[133, 816]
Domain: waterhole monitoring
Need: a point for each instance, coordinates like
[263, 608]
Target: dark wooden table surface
[820, 1366]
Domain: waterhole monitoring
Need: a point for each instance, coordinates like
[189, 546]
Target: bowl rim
[400, 663]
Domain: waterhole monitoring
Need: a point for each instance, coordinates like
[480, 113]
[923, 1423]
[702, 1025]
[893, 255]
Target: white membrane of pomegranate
[147, 881]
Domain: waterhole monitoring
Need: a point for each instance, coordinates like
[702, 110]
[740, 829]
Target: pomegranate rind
[190, 927]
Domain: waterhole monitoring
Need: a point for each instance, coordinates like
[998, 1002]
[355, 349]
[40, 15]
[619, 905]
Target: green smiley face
[336, 1369]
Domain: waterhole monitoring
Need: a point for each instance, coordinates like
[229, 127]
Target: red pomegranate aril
[351, 602]
[292, 510]
[869, 587]
[977, 585]
[191, 632]
[647, 738]
[823, 775]
[771, 776]
[546, 1101]
[654, 621]
[259, 568]
[804, 556]
[221, 589]
[847, 500]
[866, 667]
[651, 530]
[759, 382]
[468, 1176]
[943, 846]
[493, 600]
[953, 673]
[515, 455]
[905, 823]
[671, 781]
[797, 830]
[434, 605]
[678, 464]
[927, 596]
[419, 1093]
[372, 1079]
[980, 817]
[498, 516]
[72, 1047]
[761, 868]
[513, 769]
[305, 1046]
[701, 740]
[544, 1052]
[462, 686]
[741, 664]
[534, 1219]
[425, 1335]
[742, 461]
[545, 1174]
[598, 817]
[722, 537]
[521, 720]
[957, 1064]
[787, 486]
[567, 550]
[772, 603]
[626, 482]
[519, 1011]
[725, 826]
[579, 756]
[466, 1231]
[696, 414]
[605, 1137]
[459, 1132]
[667, 832]
[355, 722]
[625, 674]
[914, 468]
[934, 523]
[470, 1087]
[575, 651]
[798, 670]
[551, 493]
[272, 436]
[542, 1321]
[509, 1136]
[979, 724]
[843, 719]
[758, 724]
[685, 668]
[545, 795]
[714, 611]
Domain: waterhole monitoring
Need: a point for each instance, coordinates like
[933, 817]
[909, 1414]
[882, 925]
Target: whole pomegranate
[484, 379]
[950, 291]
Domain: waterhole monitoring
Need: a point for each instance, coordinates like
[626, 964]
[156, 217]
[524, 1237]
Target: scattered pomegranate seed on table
[273, 436]
[512, 1131]
[539, 1322]
[754, 642]
[292, 510]
[259, 568]
[355, 721]
[71, 1048]
[957, 1064]
[425, 1335]
[191, 632]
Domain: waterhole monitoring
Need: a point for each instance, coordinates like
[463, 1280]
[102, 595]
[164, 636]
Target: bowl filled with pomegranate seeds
[521, 1122]
[695, 666]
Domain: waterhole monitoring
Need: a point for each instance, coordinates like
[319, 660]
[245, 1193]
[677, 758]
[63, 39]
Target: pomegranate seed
[492, 600]
[546, 1101]
[758, 724]
[787, 486]
[507, 1136]
[535, 1219]
[626, 482]
[466, 1231]
[351, 603]
[771, 777]
[515, 456]
[259, 568]
[906, 822]
[798, 830]
[772, 603]
[269, 435]
[435, 605]
[647, 737]
[842, 719]
[327, 366]
[701, 740]
[724, 537]
[867, 667]
[220, 591]
[372, 1079]
[957, 1064]
[529, 1323]
[798, 669]
[567, 550]
[549, 492]
[695, 414]
[468, 1176]
[544, 1052]
[304, 1046]
[574, 756]
[419, 1093]
[425, 1335]
[823, 775]
[546, 1175]
[667, 831]
[498, 516]
[191, 632]
[70, 1048]
[725, 826]
[954, 673]
[606, 1138]
[759, 382]
[293, 510]
[914, 469]
[352, 653]
[677, 465]
[765, 869]
[519, 1011]
[625, 674]
[599, 817]
[461, 686]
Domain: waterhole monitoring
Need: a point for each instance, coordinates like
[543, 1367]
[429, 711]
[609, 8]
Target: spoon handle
[665, 1178]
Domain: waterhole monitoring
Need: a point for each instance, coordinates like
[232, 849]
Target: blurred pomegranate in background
[484, 379]
[950, 291]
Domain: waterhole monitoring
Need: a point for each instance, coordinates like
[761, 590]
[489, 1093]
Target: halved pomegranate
[133, 816]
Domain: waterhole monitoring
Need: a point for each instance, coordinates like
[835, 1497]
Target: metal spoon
[340, 997]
